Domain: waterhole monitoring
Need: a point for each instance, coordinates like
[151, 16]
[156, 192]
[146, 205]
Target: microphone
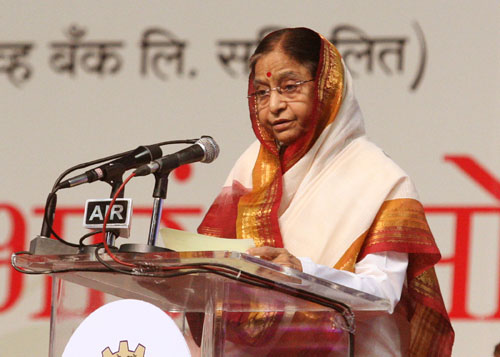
[140, 156]
[204, 150]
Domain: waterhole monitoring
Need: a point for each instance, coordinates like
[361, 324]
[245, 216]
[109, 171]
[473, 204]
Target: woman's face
[284, 117]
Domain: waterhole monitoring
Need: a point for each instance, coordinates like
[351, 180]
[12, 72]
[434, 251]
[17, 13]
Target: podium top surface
[186, 279]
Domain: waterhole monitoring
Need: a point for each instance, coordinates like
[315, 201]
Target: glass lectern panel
[224, 303]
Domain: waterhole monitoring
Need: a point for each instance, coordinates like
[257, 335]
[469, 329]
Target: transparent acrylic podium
[224, 303]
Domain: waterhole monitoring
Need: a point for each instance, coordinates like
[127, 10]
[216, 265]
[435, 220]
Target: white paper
[182, 241]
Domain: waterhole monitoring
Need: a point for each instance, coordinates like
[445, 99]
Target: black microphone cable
[47, 229]
[112, 157]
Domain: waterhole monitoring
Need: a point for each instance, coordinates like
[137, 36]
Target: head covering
[258, 209]
[250, 209]
[335, 197]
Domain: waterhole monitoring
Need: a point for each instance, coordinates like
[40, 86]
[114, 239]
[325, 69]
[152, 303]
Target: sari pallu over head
[249, 203]
[370, 204]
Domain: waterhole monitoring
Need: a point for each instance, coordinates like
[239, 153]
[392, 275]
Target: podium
[224, 303]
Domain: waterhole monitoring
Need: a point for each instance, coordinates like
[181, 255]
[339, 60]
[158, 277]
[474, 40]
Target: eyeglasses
[289, 91]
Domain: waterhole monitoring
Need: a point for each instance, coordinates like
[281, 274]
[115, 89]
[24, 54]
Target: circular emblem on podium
[127, 328]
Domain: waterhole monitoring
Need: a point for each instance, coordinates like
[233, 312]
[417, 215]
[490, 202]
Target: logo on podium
[130, 325]
[124, 351]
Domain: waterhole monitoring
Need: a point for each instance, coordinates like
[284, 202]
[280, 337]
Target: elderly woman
[316, 195]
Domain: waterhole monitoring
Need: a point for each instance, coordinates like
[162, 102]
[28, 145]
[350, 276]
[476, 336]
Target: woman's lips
[282, 124]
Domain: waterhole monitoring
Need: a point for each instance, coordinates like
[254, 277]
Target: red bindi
[268, 74]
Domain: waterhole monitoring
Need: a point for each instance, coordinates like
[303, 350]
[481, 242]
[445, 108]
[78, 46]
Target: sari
[335, 197]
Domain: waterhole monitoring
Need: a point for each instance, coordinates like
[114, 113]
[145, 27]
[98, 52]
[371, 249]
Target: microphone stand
[48, 216]
[42, 244]
[159, 194]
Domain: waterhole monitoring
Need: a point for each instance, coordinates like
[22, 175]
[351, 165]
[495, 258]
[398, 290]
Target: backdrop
[83, 80]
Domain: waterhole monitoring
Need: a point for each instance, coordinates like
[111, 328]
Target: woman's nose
[276, 101]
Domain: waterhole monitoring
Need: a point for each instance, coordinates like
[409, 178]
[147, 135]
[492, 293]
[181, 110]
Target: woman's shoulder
[378, 164]
[242, 169]
[249, 156]
[373, 156]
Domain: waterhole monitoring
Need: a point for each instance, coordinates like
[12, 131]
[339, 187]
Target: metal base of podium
[46, 246]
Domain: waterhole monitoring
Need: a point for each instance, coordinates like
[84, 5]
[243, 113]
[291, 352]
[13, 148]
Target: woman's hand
[279, 256]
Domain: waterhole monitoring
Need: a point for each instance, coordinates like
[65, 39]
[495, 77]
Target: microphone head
[210, 148]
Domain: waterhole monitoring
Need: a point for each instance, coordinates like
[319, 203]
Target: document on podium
[182, 241]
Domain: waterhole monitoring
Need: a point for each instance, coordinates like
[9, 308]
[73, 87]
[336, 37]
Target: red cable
[115, 258]
[106, 218]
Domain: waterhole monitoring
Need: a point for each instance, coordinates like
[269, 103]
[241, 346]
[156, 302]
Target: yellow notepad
[182, 241]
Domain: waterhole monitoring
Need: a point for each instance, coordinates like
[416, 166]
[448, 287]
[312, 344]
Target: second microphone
[204, 150]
